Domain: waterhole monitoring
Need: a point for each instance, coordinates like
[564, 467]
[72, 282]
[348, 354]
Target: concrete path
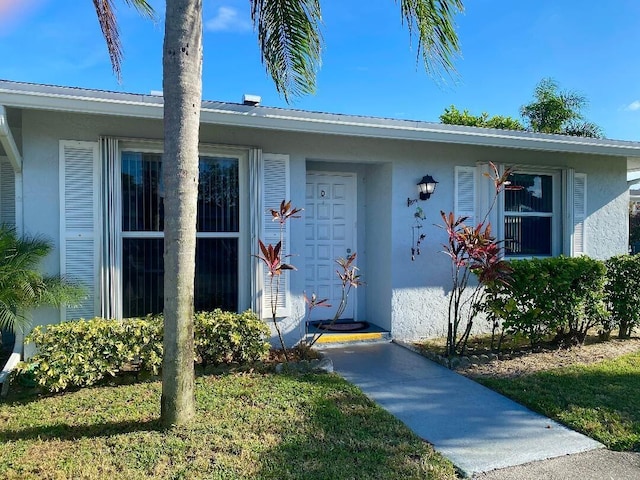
[600, 464]
[476, 428]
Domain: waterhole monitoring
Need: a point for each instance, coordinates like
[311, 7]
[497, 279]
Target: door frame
[353, 300]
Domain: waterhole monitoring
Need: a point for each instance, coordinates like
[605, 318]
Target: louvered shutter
[578, 242]
[465, 193]
[275, 188]
[7, 193]
[79, 227]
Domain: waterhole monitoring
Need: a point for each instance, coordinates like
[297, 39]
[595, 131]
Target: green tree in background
[556, 111]
[453, 116]
[551, 111]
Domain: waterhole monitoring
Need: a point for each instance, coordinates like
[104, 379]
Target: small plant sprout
[273, 260]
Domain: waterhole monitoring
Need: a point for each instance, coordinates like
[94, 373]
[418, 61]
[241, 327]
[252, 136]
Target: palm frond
[290, 42]
[106, 13]
[22, 286]
[432, 23]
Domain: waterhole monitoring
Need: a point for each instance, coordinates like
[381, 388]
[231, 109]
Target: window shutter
[7, 193]
[578, 242]
[465, 193]
[79, 227]
[275, 188]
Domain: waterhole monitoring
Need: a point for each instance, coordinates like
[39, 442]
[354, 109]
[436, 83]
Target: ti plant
[273, 260]
[472, 250]
[348, 274]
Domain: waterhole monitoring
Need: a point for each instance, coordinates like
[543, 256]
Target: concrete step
[372, 333]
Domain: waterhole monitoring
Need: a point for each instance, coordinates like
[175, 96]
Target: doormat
[344, 327]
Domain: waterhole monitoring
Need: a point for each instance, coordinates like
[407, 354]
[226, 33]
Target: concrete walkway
[477, 429]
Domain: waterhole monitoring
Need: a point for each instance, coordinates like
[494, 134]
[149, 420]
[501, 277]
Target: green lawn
[601, 400]
[248, 426]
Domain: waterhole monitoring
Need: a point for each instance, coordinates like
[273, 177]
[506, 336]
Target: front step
[372, 333]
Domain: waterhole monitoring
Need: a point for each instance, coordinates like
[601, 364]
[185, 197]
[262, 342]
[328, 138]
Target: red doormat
[344, 327]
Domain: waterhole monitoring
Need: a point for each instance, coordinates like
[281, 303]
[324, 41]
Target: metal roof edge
[80, 100]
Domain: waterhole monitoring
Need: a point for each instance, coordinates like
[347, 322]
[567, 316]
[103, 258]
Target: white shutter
[7, 193]
[578, 241]
[465, 193]
[275, 189]
[79, 227]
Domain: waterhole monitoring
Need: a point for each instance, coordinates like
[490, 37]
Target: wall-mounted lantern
[426, 187]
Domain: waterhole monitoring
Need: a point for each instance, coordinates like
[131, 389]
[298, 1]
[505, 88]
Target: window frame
[555, 214]
[204, 150]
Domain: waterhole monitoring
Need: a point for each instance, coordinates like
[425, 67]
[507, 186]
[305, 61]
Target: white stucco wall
[408, 297]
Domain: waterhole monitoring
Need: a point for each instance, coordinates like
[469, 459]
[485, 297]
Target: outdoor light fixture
[426, 187]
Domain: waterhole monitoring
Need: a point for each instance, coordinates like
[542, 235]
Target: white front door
[330, 231]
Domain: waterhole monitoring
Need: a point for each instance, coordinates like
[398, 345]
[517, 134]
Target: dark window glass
[216, 283]
[218, 195]
[527, 236]
[534, 196]
[142, 192]
[142, 276]
[216, 274]
[143, 211]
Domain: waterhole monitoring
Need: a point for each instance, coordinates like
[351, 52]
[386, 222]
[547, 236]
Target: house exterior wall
[408, 297]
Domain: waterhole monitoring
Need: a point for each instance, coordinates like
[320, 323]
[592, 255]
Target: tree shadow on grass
[63, 431]
[350, 437]
[601, 403]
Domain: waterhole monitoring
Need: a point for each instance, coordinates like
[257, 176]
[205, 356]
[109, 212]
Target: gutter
[8, 143]
[77, 100]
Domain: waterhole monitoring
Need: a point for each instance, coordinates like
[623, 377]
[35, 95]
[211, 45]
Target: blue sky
[369, 66]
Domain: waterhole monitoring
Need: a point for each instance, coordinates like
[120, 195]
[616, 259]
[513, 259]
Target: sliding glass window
[217, 243]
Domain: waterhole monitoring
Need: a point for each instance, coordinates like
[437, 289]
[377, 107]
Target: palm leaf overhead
[290, 42]
[432, 22]
[109, 26]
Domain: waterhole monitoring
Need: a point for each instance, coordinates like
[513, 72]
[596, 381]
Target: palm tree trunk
[182, 87]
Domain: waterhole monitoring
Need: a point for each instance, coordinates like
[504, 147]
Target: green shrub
[558, 295]
[623, 293]
[226, 337]
[82, 353]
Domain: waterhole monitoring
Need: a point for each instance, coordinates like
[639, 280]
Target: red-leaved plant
[273, 260]
[348, 274]
[472, 250]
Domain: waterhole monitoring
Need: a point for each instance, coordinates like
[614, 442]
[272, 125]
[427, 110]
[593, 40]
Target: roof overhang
[65, 99]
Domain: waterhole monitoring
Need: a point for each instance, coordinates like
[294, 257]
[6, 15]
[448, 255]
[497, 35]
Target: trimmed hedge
[559, 295]
[82, 353]
[623, 293]
[226, 337]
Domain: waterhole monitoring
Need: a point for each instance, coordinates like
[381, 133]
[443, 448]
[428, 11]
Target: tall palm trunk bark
[182, 87]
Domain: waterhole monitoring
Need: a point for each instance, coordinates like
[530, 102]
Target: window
[218, 233]
[531, 215]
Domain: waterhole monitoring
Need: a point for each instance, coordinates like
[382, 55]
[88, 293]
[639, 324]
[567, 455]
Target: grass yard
[248, 426]
[601, 400]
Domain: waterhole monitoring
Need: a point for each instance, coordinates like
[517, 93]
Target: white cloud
[227, 19]
[633, 106]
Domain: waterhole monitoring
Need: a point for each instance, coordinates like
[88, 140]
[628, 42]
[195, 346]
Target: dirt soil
[531, 362]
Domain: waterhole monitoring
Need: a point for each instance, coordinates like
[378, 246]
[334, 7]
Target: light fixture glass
[427, 186]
